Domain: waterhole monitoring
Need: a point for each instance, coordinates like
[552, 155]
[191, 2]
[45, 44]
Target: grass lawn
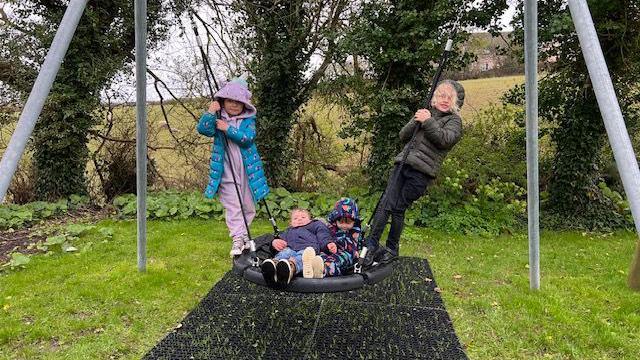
[481, 92]
[95, 304]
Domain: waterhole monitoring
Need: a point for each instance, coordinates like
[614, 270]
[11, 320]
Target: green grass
[96, 305]
[584, 309]
[481, 92]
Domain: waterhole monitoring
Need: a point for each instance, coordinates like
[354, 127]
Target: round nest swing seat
[350, 281]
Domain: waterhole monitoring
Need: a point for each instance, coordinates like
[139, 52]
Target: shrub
[19, 216]
[23, 186]
[117, 169]
[456, 205]
[488, 210]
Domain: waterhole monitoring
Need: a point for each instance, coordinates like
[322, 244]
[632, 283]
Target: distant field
[482, 92]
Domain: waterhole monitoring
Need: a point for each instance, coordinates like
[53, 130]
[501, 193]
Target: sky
[180, 49]
[168, 62]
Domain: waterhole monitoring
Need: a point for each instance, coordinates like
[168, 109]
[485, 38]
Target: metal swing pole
[612, 117]
[531, 89]
[209, 71]
[141, 129]
[39, 93]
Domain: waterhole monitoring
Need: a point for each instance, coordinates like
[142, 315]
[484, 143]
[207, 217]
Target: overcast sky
[182, 49]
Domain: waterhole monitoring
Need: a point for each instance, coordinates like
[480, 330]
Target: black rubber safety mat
[402, 317]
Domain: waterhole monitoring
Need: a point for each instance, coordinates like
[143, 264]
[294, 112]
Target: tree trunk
[634, 272]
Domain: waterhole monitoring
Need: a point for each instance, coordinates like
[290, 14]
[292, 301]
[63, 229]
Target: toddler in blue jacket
[298, 248]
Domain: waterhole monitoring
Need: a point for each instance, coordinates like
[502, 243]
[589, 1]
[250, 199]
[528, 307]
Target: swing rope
[210, 75]
[272, 220]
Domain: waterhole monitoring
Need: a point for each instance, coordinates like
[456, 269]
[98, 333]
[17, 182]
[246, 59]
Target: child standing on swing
[439, 129]
[236, 173]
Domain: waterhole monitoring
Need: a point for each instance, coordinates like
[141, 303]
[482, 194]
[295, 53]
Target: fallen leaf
[437, 289]
[457, 276]
[428, 279]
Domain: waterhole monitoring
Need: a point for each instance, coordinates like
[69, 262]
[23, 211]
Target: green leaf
[203, 208]
[18, 260]
[161, 212]
[78, 229]
[282, 192]
[121, 201]
[55, 240]
[129, 209]
[107, 232]
[67, 247]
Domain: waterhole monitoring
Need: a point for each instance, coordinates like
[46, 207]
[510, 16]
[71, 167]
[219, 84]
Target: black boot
[386, 255]
[368, 259]
[373, 255]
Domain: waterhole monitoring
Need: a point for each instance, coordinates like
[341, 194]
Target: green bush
[174, 205]
[19, 216]
[455, 204]
[493, 146]
[489, 209]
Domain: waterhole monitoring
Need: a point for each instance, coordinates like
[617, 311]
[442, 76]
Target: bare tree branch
[157, 79]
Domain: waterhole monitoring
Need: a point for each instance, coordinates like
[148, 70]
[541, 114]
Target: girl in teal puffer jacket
[238, 124]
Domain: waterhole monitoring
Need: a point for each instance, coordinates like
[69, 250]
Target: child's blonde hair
[448, 90]
[295, 210]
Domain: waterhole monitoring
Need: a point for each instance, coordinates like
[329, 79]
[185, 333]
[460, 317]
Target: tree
[393, 47]
[567, 99]
[282, 39]
[102, 46]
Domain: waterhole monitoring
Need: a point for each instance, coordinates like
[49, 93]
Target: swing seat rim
[242, 266]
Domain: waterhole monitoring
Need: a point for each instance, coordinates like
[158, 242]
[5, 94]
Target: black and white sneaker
[285, 271]
[372, 256]
[268, 268]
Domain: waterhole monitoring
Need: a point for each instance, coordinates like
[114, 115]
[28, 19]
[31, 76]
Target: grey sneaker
[246, 241]
[237, 246]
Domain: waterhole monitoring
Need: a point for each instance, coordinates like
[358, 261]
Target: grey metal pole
[531, 88]
[609, 107]
[39, 93]
[141, 129]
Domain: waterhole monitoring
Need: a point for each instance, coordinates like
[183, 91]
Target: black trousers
[405, 186]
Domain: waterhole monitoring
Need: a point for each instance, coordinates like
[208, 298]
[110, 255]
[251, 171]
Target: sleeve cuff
[429, 125]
